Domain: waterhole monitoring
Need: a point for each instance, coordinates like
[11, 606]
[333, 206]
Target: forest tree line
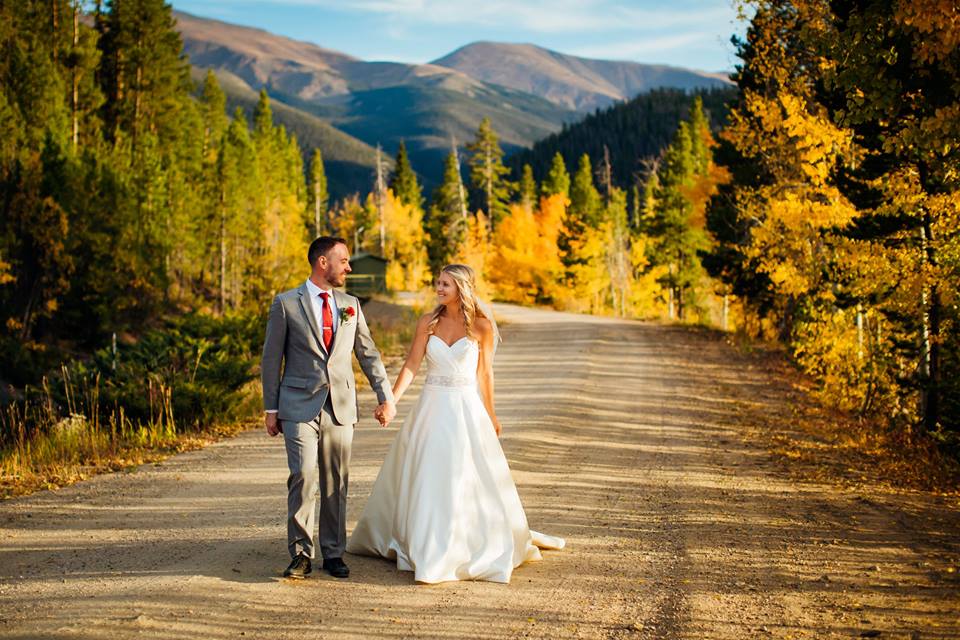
[838, 229]
[823, 214]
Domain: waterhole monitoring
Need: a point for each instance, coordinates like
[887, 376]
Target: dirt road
[626, 438]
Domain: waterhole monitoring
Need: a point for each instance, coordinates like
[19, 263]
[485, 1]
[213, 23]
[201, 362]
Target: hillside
[632, 131]
[428, 119]
[350, 163]
[571, 82]
[527, 92]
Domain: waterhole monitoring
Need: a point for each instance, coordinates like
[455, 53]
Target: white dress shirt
[317, 303]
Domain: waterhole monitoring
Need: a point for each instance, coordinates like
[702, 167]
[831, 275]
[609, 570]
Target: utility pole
[462, 197]
[607, 173]
[380, 193]
[356, 236]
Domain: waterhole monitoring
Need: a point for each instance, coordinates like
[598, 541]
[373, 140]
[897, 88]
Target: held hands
[272, 424]
[384, 413]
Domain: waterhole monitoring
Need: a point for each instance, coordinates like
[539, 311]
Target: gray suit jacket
[309, 373]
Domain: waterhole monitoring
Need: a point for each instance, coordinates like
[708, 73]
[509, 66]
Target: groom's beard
[336, 280]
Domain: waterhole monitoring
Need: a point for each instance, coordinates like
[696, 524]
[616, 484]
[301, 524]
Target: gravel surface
[626, 438]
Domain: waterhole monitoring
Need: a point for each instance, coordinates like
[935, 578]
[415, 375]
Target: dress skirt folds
[444, 504]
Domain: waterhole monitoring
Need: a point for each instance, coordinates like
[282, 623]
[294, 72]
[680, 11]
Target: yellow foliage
[6, 273]
[796, 137]
[937, 21]
[477, 252]
[404, 245]
[646, 297]
[589, 282]
[285, 243]
[526, 264]
[344, 221]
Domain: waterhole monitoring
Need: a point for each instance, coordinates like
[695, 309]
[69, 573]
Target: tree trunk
[316, 209]
[488, 169]
[931, 328]
[76, 77]
[223, 256]
[859, 333]
[55, 24]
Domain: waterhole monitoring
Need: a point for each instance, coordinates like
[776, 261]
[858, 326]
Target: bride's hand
[497, 427]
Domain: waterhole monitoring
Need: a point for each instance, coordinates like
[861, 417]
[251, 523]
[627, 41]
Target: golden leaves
[937, 23]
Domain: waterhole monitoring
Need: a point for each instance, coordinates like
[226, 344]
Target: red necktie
[327, 322]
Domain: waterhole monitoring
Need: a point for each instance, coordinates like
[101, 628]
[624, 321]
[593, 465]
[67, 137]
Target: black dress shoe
[299, 568]
[336, 567]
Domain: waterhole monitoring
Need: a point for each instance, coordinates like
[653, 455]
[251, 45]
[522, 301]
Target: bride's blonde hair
[466, 280]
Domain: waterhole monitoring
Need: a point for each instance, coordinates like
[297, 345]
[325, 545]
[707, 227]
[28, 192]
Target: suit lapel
[343, 301]
[306, 305]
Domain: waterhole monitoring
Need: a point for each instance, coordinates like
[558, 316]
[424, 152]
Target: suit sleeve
[273, 347]
[369, 358]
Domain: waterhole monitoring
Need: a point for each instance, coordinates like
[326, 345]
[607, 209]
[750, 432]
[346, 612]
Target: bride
[444, 505]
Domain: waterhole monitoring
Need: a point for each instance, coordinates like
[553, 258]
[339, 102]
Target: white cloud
[642, 47]
[538, 16]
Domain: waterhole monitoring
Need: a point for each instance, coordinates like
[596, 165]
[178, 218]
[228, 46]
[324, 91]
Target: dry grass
[59, 451]
[821, 443]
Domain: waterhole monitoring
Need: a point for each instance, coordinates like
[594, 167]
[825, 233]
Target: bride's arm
[417, 348]
[485, 369]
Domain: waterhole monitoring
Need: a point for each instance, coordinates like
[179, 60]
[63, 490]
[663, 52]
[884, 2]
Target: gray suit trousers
[318, 456]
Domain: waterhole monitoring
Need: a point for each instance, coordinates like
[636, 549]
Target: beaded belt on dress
[450, 381]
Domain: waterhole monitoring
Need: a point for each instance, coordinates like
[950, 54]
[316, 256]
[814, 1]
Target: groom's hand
[385, 413]
[272, 424]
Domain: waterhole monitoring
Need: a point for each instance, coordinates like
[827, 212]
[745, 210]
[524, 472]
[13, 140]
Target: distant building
[368, 276]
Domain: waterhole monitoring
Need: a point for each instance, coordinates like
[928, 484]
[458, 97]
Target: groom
[313, 400]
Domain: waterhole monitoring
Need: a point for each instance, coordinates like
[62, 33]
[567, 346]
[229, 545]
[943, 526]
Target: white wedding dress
[444, 504]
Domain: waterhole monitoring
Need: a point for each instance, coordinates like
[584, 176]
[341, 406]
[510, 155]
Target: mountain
[426, 105]
[350, 163]
[632, 132]
[580, 84]
[299, 69]
[346, 105]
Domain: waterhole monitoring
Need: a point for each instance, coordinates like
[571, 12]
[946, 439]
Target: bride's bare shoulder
[424, 321]
[483, 326]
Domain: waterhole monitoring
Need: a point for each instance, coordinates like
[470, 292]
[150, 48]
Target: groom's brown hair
[321, 245]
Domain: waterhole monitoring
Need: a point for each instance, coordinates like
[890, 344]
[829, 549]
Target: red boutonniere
[347, 314]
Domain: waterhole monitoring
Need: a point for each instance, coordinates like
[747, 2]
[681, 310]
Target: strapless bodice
[452, 365]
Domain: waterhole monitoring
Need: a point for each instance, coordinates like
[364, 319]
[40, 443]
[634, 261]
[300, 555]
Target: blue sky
[687, 33]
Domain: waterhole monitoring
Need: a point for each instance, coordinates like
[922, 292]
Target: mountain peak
[573, 82]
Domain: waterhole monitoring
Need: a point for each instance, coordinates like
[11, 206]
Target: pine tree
[583, 214]
[647, 208]
[236, 206]
[32, 80]
[144, 75]
[317, 196]
[488, 174]
[447, 220]
[557, 180]
[528, 188]
[214, 103]
[699, 137]
[585, 202]
[676, 242]
[404, 181]
[263, 116]
[85, 97]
